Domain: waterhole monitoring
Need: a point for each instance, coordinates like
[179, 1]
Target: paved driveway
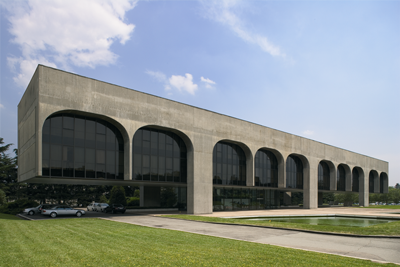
[377, 249]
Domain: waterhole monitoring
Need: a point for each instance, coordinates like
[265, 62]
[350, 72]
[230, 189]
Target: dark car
[115, 208]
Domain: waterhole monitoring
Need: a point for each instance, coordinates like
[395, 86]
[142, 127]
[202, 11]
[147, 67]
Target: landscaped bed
[96, 242]
[386, 229]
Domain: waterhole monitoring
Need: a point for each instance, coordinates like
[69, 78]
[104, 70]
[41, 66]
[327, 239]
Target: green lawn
[96, 242]
[389, 229]
[391, 207]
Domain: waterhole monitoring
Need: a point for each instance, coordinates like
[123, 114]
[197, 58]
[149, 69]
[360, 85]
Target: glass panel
[68, 122]
[68, 137]
[100, 157]
[100, 128]
[79, 125]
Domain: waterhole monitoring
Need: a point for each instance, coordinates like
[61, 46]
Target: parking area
[95, 214]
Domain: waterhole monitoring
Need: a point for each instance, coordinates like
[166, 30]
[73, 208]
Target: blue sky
[324, 70]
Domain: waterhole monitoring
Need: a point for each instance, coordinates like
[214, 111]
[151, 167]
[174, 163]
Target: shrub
[2, 197]
[103, 199]
[133, 201]
[117, 195]
[18, 206]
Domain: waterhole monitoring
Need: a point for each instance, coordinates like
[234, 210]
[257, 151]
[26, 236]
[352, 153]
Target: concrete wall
[52, 91]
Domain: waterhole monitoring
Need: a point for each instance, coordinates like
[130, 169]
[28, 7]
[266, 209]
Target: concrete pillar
[348, 179]
[377, 184]
[249, 169]
[363, 197]
[332, 176]
[282, 172]
[128, 160]
[199, 180]
[310, 193]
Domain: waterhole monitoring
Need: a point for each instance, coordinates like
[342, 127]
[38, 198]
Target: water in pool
[327, 220]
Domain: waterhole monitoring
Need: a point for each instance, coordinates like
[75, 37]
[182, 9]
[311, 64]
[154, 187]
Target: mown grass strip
[385, 229]
[389, 207]
[96, 242]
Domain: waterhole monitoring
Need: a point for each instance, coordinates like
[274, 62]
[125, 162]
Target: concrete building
[77, 130]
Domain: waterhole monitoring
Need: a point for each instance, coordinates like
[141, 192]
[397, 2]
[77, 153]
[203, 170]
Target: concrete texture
[377, 249]
[52, 91]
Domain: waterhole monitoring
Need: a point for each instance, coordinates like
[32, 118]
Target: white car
[91, 206]
[62, 210]
[100, 207]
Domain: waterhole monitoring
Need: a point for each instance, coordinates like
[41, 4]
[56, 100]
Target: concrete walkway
[376, 249]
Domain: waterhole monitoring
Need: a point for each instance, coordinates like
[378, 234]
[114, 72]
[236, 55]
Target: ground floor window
[226, 198]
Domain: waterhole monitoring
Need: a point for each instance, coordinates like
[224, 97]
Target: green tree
[168, 197]
[394, 194]
[9, 173]
[117, 195]
[2, 197]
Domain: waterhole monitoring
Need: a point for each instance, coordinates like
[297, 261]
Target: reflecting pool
[326, 220]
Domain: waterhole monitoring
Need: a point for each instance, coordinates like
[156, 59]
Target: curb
[24, 217]
[297, 230]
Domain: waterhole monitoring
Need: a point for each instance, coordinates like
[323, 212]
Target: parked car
[38, 209]
[91, 206]
[62, 210]
[100, 207]
[115, 208]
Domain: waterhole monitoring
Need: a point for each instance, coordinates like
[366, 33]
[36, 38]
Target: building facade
[77, 130]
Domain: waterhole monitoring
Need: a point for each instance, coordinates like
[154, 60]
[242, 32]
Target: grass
[391, 207]
[387, 229]
[96, 242]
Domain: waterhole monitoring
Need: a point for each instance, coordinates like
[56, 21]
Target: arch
[323, 176]
[79, 145]
[373, 181]
[384, 182]
[357, 176]
[294, 172]
[159, 155]
[341, 178]
[229, 164]
[265, 169]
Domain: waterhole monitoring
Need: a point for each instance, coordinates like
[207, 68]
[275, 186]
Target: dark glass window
[371, 182]
[294, 172]
[229, 164]
[355, 187]
[383, 182]
[81, 147]
[341, 179]
[266, 169]
[323, 176]
[158, 156]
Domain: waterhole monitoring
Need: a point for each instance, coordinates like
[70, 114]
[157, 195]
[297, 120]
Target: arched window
[81, 147]
[356, 181]
[158, 156]
[229, 164]
[323, 176]
[294, 172]
[341, 178]
[371, 182]
[266, 169]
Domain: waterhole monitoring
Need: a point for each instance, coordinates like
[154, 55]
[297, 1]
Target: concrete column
[310, 193]
[282, 171]
[377, 184]
[128, 160]
[250, 169]
[333, 177]
[199, 180]
[363, 197]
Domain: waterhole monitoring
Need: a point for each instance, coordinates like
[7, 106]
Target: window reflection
[159, 156]
[266, 169]
[323, 176]
[341, 179]
[294, 172]
[81, 147]
[229, 164]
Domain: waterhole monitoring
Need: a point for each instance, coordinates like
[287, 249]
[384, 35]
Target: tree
[168, 197]
[9, 172]
[117, 195]
[2, 197]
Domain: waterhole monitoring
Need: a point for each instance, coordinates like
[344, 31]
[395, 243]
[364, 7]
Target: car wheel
[78, 214]
[53, 215]
[31, 212]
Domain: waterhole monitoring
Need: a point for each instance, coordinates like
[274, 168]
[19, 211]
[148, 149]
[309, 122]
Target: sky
[325, 70]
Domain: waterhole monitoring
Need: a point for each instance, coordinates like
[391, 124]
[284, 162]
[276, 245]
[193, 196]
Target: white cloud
[183, 83]
[308, 132]
[224, 11]
[66, 33]
[209, 83]
[1, 106]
